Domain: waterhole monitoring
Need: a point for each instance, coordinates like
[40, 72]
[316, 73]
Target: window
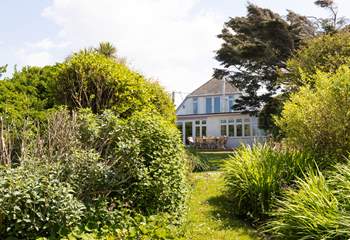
[216, 104]
[230, 104]
[223, 128]
[246, 127]
[195, 105]
[239, 129]
[231, 128]
[198, 131]
[204, 128]
[204, 131]
[208, 105]
[200, 128]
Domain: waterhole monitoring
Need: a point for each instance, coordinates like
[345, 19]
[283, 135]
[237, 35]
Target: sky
[171, 41]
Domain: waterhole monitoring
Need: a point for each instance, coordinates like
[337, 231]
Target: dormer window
[195, 105]
[208, 105]
[216, 104]
[230, 104]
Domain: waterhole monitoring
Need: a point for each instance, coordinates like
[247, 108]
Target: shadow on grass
[222, 212]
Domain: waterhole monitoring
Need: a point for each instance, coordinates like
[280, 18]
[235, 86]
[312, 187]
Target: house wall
[186, 107]
[213, 126]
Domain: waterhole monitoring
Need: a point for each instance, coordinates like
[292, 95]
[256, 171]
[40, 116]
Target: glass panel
[231, 130]
[204, 122]
[216, 104]
[223, 121]
[204, 131]
[208, 105]
[238, 120]
[255, 130]
[247, 120]
[231, 121]
[198, 131]
[239, 130]
[195, 105]
[188, 131]
[223, 130]
[198, 122]
[246, 130]
[230, 104]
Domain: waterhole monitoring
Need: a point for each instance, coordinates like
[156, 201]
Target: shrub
[195, 161]
[317, 119]
[91, 80]
[147, 153]
[256, 176]
[325, 53]
[312, 211]
[34, 203]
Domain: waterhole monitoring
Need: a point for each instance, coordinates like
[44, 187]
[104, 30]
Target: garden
[89, 150]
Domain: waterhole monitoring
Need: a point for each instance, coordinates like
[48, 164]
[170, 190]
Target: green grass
[214, 159]
[209, 216]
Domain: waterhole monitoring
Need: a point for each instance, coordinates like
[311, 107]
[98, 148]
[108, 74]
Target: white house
[208, 111]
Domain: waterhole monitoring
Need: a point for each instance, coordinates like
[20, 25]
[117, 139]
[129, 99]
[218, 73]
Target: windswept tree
[334, 22]
[255, 48]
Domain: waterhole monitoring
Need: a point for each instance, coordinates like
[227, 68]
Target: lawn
[214, 159]
[208, 217]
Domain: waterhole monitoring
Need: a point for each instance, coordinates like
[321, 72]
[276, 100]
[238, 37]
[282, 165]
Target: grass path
[208, 217]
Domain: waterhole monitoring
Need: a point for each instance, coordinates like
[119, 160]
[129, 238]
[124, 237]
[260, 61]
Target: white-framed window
[236, 127]
[195, 105]
[200, 128]
[223, 127]
[208, 105]
[230, 103]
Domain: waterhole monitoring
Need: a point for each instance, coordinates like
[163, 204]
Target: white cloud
[36, 58]
[47, 44]
[172, 41]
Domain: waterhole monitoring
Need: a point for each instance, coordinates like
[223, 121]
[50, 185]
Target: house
[208, 111]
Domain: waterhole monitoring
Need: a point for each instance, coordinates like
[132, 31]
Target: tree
[2, 70]
[326, 53]
[255, 47]
[333, 23]
[28, 93]
[107, 49]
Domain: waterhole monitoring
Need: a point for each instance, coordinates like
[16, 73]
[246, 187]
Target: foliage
[148, 154]
[256, 176]
[255, 47]
[28, 94]
[334, 22]
[157, 227]
[2, 70]
[312, 211]
[195, 161]
[91, 80]
[34, 202]
[325, 53]
[268, 113]
[317, 119]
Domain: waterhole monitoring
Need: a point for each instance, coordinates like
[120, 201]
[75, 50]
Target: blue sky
[172, 41]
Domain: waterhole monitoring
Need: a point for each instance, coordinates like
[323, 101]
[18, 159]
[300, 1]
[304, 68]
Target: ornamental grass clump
[314, 210]
[255, 177]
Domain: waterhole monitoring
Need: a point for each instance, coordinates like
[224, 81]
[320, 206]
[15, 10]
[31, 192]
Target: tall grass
[256, 176]
[312, 211]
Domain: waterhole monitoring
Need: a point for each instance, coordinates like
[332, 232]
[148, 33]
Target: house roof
[214, 87]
